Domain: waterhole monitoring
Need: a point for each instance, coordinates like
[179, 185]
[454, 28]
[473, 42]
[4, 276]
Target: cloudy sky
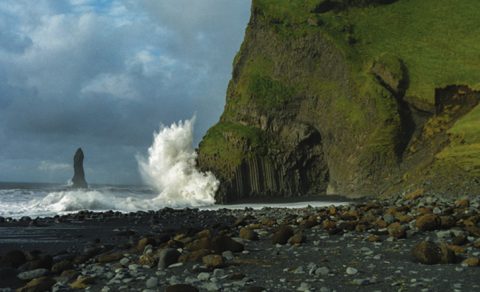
[103, 75]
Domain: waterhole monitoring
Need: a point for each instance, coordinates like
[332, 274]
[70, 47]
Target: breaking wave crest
[170, 169]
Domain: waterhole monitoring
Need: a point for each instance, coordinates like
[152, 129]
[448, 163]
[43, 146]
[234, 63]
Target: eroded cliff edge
[351, 97]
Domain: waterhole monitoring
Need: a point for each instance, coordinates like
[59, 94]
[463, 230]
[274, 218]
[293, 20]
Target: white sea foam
[171, 169]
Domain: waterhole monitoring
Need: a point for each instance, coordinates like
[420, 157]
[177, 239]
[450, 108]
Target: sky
[103, 75]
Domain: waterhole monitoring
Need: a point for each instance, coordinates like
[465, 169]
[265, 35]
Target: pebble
[152, 283]
[203, 276]
[361, 282]
[228, 255]
[351, 271]
[304, 287]
[211, 286]
[29, 275]
[124, 262]
[322, 271]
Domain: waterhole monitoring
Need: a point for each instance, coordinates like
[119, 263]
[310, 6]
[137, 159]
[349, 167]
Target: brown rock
[414, 195]
[360, 228]
[428, 222]
[61, 266]
[350, 215]
[329, 224]
[213, 261]
[38, 285]
[142, 243]
[202, 243]
[462, 203]
[431, 253]
[391, 210]
[374, 238]
[310, 222]
[397, 230]
[402, 218]
[69, 275]
[347, 225]
[297, 239]
[223, 243]
[476, 243]
[254, 226]
[166, 257]
[82, 282]
[460, 240]
[181, 288]
[268, 222]
[473, 230]
[193, 256]
[471, 262]
[109, 257]
[332, 210]
[204, 233]
[147, 260]
[248, 234]
[282, 235]
[456, 249]
[424, 210]
[447, 222]
[243, 220]
[380, 223]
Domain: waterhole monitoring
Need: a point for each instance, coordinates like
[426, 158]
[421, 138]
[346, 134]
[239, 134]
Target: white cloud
[151, 63]
[107, 72]
[116, 85]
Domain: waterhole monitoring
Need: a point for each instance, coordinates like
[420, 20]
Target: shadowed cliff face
[307, 114]
[79, 175]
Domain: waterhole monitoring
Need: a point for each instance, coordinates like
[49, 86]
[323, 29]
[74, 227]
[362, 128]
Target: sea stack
[79, 175]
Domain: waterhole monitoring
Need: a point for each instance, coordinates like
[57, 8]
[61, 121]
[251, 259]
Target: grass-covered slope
[352, 97]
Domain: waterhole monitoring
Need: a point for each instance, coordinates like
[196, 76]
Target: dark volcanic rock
[224, 243]
[38, 285]
[282, 235]
[431, 253]
[13, 259]
[167, 257]
[79, 175]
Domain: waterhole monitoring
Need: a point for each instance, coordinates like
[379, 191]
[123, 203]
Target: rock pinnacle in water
[79, 175]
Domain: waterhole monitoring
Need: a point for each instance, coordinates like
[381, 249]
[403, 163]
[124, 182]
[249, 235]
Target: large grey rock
[79, 174]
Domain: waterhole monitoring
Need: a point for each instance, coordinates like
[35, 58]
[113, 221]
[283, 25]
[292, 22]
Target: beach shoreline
[360, 246]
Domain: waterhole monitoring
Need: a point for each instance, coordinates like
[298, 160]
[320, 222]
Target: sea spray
[171, 168]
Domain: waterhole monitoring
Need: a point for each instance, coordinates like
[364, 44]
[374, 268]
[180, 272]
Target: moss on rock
[353, 97]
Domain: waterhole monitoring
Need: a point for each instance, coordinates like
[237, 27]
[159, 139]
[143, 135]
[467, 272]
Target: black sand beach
[364, 246]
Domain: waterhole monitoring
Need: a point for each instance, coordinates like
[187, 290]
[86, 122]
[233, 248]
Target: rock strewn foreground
[411, 243]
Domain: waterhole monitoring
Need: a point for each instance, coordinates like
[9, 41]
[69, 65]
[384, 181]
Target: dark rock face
[308, 114]
[79, 175]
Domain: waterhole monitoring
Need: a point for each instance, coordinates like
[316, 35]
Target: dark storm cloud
[103, 75]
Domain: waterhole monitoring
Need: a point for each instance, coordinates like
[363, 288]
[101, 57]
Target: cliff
[351, 97]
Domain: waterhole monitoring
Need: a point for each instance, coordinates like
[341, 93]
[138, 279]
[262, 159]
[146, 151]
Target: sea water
[46, 200]
[169, 171]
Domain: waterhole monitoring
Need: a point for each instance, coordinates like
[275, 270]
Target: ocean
[47, 200]
[169, 172]
[39, 199]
